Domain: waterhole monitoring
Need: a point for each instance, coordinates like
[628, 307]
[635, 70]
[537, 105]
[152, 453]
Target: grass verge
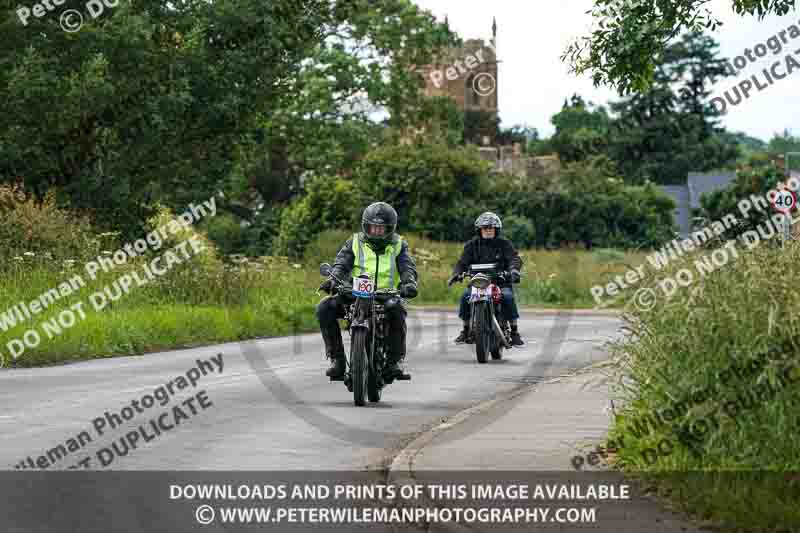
[207, 301]
[685, 410]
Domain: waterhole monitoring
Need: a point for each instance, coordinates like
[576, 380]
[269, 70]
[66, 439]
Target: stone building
[467, 75]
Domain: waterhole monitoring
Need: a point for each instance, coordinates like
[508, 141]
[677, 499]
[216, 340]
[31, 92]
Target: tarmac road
[271, 406]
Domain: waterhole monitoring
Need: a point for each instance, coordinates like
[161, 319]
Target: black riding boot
[396, 343]
[464, 336]
[516, 340]
[334, 350]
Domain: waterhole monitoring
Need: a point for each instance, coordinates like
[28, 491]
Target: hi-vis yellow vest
[381, 268]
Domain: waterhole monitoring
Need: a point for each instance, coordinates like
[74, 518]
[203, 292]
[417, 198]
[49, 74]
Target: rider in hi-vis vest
[382, 253]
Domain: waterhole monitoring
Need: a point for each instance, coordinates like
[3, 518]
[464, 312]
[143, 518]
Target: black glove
[453, 279]
[408, 290]
[515, 277]
[327, 285]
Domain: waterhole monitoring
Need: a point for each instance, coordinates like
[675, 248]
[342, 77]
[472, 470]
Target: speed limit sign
[783, 200]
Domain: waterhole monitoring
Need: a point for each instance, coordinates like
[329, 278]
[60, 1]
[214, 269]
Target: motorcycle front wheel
[483, 331]
[373, 383]
[359, 366]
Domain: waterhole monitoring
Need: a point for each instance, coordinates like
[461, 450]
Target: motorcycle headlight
[480, 282]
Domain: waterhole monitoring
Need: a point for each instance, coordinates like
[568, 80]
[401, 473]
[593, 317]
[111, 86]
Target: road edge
[403, 461]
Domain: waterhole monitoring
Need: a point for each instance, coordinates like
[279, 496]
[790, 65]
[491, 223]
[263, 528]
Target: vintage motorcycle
[369, 333]
[490, 333]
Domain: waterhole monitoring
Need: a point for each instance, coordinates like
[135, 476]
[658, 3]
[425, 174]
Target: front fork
[496, 313]
[504, 325]
[364, 316]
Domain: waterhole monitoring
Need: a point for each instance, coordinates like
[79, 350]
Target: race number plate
[363, 287]
[479, 294]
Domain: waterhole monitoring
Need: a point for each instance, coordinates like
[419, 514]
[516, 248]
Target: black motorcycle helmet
[488, 220]
[379, 223]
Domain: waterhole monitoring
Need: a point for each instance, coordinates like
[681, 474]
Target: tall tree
[670, 129]
[782, 143]
[581, 130]
[158, 101]
[626, 47]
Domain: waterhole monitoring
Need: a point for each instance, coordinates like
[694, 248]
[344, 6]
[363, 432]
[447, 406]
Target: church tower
[472, 89]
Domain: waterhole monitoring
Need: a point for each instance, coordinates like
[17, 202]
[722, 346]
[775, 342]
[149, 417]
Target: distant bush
[520, 231]
[438, 191]
[750, 180]
[609, 255]
[226, 232]
[45, 229]
[260, 236]
[328, 203]
[208, 258]
[324, 248]
[602, 213]
[434, 188]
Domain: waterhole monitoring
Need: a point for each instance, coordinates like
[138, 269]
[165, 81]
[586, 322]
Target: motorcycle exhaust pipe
[499, 332]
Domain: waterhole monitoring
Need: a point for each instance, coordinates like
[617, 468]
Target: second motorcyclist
[489, 247]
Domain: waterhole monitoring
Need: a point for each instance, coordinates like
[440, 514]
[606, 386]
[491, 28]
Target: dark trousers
[332, 308]
[507, 304]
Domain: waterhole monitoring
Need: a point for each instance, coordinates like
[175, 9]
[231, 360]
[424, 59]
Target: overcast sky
[533, 82]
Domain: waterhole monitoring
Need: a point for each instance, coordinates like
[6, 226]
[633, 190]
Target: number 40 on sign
[783, 200]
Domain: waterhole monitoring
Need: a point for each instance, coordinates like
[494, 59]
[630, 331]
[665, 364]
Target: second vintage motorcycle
[490, 332]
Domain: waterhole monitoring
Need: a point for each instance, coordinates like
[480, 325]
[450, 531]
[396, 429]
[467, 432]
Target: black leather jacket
[498, 250]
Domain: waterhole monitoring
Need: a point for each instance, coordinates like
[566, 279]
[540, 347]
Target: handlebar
[340, 287]
[504, 275]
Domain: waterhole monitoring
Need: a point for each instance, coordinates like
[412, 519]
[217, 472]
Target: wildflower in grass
[29, 254]
[18, 258]
[297, 266]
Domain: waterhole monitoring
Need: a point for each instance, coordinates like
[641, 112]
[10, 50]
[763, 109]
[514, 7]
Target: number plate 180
[363, 287]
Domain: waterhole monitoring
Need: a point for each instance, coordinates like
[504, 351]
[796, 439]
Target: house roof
[705, 182]
[680, 193]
